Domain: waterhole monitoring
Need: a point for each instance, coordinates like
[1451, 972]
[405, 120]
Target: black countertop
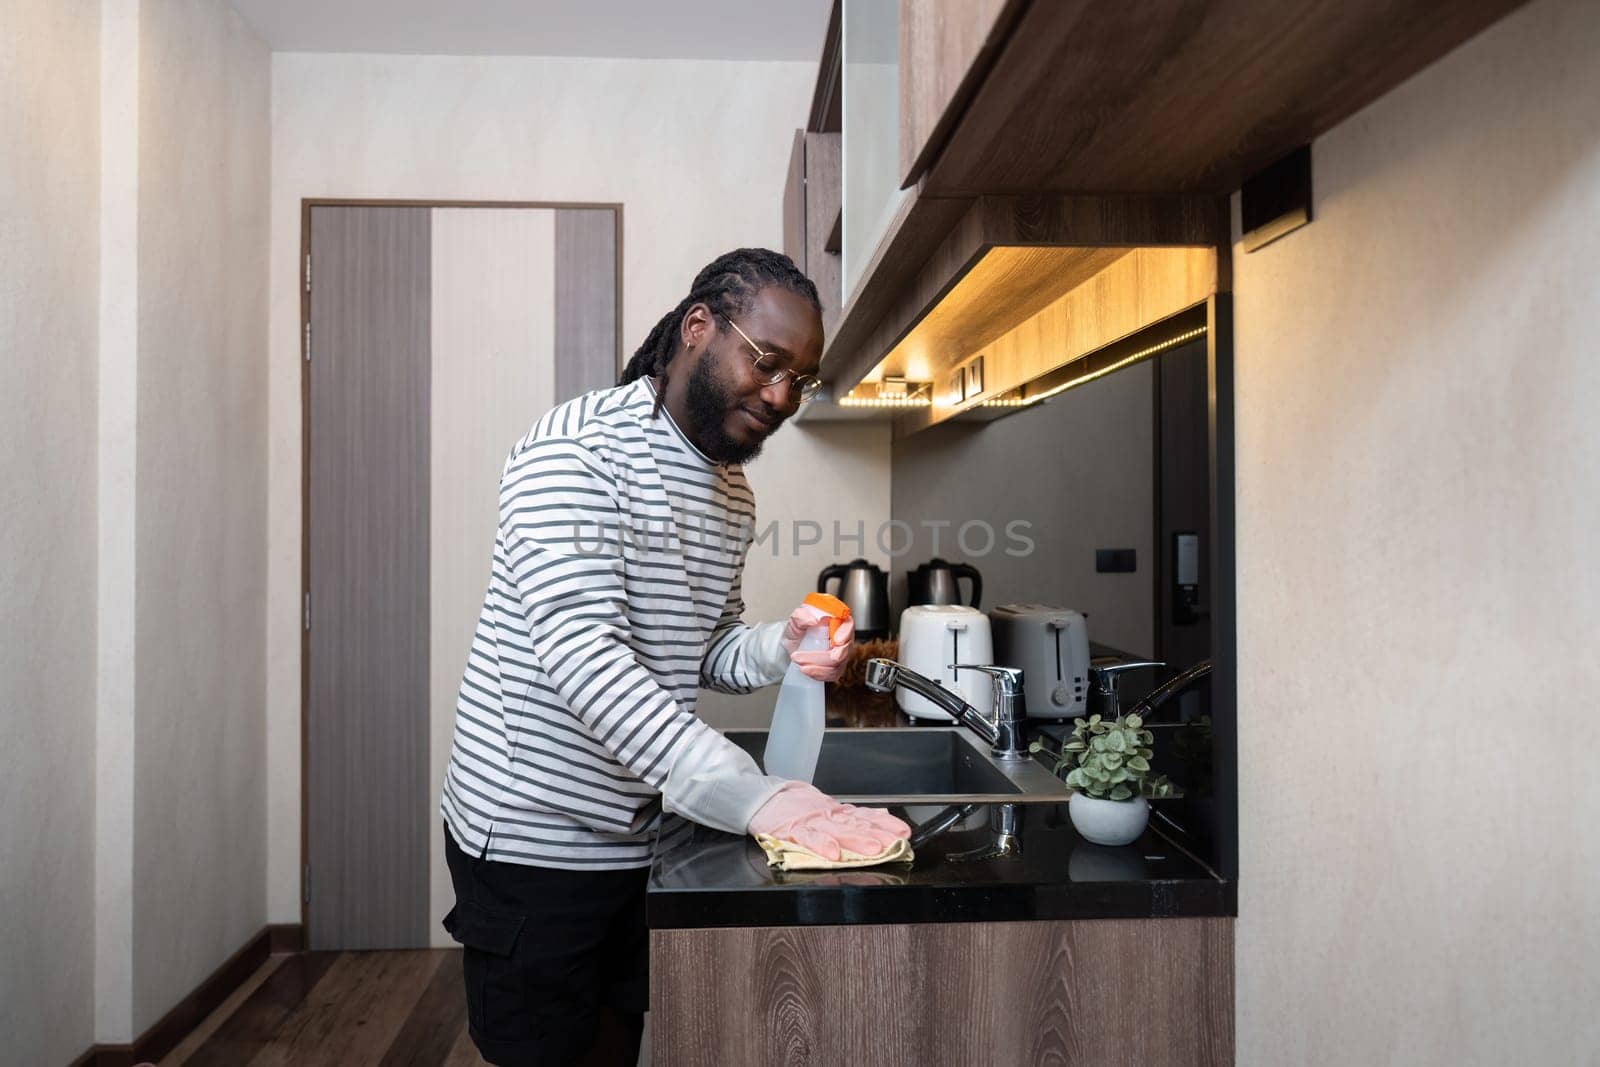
[707, 878]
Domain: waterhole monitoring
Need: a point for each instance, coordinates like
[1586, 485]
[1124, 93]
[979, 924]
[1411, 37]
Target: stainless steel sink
[920, 765]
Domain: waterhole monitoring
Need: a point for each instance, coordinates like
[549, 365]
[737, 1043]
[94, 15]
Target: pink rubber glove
[811, 818]
[824, 666]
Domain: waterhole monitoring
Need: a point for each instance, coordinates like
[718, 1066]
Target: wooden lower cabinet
[1101, 991]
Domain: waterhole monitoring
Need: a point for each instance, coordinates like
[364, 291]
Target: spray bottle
[798, 719]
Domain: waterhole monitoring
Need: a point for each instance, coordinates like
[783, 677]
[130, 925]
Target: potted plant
[1108, 768]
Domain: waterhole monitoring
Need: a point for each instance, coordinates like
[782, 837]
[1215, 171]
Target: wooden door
[438, 335]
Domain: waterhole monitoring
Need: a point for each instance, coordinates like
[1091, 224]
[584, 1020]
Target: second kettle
[937, 582]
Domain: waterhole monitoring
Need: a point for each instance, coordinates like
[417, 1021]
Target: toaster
[932, 637]
[1051, 645]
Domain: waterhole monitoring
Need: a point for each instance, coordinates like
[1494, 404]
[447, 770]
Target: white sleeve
[714, 782]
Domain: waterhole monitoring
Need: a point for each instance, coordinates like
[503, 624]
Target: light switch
[974, 384]
[1115, 561]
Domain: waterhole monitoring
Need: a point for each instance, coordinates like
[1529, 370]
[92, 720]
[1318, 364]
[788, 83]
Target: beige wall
[117, 519]
[200, 768]
[49, 247]
[695, 151]
[1418, 464]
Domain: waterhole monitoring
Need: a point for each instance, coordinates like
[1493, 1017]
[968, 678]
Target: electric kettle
[938, 582]
[865, 587]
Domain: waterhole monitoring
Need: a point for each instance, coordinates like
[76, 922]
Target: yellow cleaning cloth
[788, 856]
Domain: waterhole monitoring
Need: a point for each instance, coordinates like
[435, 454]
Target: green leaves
[1110, 760]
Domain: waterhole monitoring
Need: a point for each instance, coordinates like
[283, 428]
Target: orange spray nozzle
[836, 609]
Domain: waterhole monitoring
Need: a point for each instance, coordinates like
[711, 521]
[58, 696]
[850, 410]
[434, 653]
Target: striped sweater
[614, 596]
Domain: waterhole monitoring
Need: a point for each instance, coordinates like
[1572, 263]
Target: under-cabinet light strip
[1143, 353]
[885, 402]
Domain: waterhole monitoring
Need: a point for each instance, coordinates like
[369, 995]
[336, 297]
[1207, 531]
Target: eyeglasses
[770, 371]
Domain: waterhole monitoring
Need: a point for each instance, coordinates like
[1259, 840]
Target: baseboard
[165, 1034]
[287, 937]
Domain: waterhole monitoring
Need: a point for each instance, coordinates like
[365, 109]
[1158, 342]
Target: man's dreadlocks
[725, 285]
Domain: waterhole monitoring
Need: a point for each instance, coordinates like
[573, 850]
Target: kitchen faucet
[1106, 679]
[1152, 701]
[1003, 732]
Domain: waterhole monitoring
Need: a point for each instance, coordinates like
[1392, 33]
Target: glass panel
[871, 86]
[1094, 497]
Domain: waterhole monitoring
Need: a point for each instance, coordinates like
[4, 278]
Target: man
[615, 594]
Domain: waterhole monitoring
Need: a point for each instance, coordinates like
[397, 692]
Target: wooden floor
[346, 1008]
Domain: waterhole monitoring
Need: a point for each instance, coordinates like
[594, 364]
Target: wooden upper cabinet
[1159, 96]
[822, 223]
[946, 49]
[1089, 127]
[811, 196]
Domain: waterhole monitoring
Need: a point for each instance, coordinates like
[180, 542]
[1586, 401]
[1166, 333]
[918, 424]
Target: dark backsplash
[1118, 463]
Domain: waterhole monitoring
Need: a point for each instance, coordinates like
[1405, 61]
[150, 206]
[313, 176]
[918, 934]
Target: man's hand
[808, 817]
[824, 665]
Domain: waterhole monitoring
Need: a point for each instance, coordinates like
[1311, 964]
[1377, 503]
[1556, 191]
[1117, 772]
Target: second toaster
[1051, 645]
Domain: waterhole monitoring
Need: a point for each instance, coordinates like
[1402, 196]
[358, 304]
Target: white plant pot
[1109, 822]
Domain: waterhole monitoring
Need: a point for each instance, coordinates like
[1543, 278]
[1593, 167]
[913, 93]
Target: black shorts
[557, 962]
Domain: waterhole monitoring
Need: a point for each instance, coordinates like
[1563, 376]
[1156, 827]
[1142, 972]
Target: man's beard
[709, 404]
